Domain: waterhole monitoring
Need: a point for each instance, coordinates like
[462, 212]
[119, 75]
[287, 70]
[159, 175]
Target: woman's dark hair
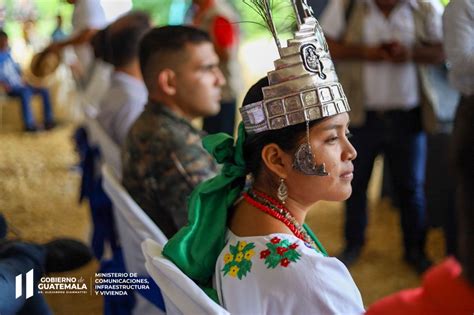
[286, 138]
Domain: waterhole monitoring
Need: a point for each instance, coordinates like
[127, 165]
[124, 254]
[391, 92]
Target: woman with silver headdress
[246, 243]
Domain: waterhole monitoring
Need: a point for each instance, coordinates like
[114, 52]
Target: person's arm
[180, 164]
[432, 53]
[334, 25]
[399, 53]
[82, 37]
[344, 51]
[192, 162]
[459, 36]
[5, 73]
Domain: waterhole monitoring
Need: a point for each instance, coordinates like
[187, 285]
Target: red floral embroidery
[281, 250]
[285, 262]
[264, 253]
[275, 240]
[279, 253]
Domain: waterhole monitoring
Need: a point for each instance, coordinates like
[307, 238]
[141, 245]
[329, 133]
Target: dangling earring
[249, 179]
[282, 191]
[304, 159]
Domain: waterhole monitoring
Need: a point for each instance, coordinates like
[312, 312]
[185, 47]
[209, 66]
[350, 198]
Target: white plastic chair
[133, 227]
[109, 150]
[182, 296]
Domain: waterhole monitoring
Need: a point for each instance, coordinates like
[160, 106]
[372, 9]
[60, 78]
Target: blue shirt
[10, 72]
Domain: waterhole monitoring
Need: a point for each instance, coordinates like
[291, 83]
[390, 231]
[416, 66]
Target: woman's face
[330, 145]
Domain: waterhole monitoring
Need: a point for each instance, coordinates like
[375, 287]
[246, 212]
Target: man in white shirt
[88, 18]
[458, 25]
[124, 100]
[458, 29]
[378, 46]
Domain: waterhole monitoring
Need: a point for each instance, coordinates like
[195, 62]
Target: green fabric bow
[195, 248]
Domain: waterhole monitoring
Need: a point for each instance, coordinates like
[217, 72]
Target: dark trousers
[222, 122]
[25, 93]
[462, 159]
[399, 136]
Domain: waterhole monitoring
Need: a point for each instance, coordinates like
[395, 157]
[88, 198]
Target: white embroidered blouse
[281, 274]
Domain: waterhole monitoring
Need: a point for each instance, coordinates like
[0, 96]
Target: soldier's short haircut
[160, 44]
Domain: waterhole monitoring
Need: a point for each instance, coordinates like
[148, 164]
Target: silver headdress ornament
[303, 87]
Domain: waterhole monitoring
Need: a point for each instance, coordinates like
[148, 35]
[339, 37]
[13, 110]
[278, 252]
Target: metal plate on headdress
[311, 60]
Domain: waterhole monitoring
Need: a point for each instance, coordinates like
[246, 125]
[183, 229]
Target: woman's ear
[276, 160]
[167, 82]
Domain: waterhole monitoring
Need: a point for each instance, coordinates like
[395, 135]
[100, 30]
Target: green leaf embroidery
[272, 261]
[238, 260]
[233, 250]
[292, 255]
[280, 252]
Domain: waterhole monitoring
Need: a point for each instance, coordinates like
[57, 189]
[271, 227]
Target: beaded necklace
[277, 210]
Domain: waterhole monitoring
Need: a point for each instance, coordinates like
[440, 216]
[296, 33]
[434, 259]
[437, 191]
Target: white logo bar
[18, 287]
[29, 284]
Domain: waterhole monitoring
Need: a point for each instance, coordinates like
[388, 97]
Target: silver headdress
[303, 87]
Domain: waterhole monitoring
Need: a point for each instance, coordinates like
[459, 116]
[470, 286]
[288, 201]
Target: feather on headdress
[304, 85]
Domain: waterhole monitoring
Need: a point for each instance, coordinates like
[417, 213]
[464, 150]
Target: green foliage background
[158, 9]
[46, 11]
[45, 15]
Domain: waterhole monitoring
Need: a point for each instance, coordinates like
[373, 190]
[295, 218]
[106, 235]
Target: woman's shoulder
[276, 251]
[262, 267]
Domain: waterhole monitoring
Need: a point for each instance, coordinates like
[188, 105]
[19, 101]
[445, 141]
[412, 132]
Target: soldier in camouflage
[163, 158]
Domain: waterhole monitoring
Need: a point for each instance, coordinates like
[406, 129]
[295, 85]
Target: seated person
[246, 243]
[12, 82]
[163, 159]
[17, 258]
[124, 100]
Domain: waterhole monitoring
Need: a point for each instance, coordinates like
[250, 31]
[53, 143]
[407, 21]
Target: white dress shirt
[458, 24]
[280, 274]
[386, 85]
[121, 105]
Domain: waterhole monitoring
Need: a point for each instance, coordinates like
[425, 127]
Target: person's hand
[399, 53]
[375, 53]
[53, 47]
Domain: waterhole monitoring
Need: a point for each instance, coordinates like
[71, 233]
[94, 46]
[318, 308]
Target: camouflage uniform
[163, 160]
